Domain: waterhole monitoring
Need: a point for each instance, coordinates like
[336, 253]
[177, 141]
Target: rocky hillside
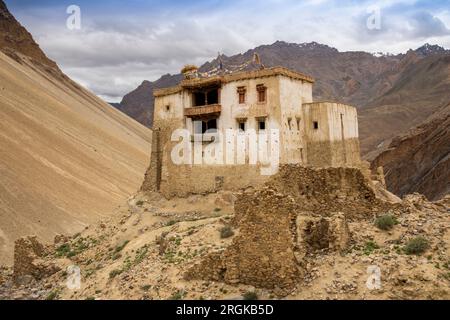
[67, 157]
[300, 236]
[14, 38]
[420, 160]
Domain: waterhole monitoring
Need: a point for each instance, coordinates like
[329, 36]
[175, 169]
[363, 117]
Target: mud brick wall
[262, 254]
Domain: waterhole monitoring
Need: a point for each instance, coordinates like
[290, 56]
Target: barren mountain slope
[420, 160]
[421, 90]
[66, 157]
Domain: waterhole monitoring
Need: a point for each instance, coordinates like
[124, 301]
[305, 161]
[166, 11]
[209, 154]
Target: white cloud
[114, 53]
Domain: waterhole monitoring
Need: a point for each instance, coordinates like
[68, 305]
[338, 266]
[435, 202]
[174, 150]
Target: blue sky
[122, 43]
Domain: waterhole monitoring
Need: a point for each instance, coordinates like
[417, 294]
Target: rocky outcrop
[28, 261]
[420, 160]
[14, 38]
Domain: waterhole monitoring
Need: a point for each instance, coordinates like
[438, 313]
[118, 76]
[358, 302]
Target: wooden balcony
[203, 111]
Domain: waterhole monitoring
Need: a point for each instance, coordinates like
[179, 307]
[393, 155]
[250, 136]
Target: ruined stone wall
[263, 253]
[28, 262]
[329, 190]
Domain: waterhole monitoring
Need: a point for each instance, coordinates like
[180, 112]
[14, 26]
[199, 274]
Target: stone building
[223, 107]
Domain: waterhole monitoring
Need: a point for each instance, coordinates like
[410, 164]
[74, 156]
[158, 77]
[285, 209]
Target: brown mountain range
[393, 92]
[66, 157]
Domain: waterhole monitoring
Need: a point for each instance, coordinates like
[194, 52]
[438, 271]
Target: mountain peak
[14, 38]
[429, 49]
[4, 13]
[305, 46]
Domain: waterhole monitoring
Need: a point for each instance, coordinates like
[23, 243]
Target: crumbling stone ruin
[28, 261]
[267, 237]
[323, 233]
[297, 211]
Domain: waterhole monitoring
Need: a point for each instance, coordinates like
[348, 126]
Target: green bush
[114, 273]
[63, 250]
[226, 232]
[146, 287]
[416, 246]
[52, 295]
[121, 246]
[140, 203]
[116, 256]
[250, 295]
[370, 247]
[141, 253]
[386, 222]
[179, 295]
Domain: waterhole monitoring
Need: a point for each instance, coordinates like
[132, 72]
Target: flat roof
[227, 78]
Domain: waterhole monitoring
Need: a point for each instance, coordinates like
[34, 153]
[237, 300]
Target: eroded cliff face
[420, 160]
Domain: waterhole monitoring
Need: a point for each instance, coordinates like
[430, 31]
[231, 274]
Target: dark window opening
[213, 96]
[242, 124]
[205, 97]
[298, 124]
[199, 99]
[211, 125]
[290, 123]
[168, 108]
[316, 125]
[261, 124]
[262, 92]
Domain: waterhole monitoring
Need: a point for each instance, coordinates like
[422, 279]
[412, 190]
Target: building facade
[275, 105]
